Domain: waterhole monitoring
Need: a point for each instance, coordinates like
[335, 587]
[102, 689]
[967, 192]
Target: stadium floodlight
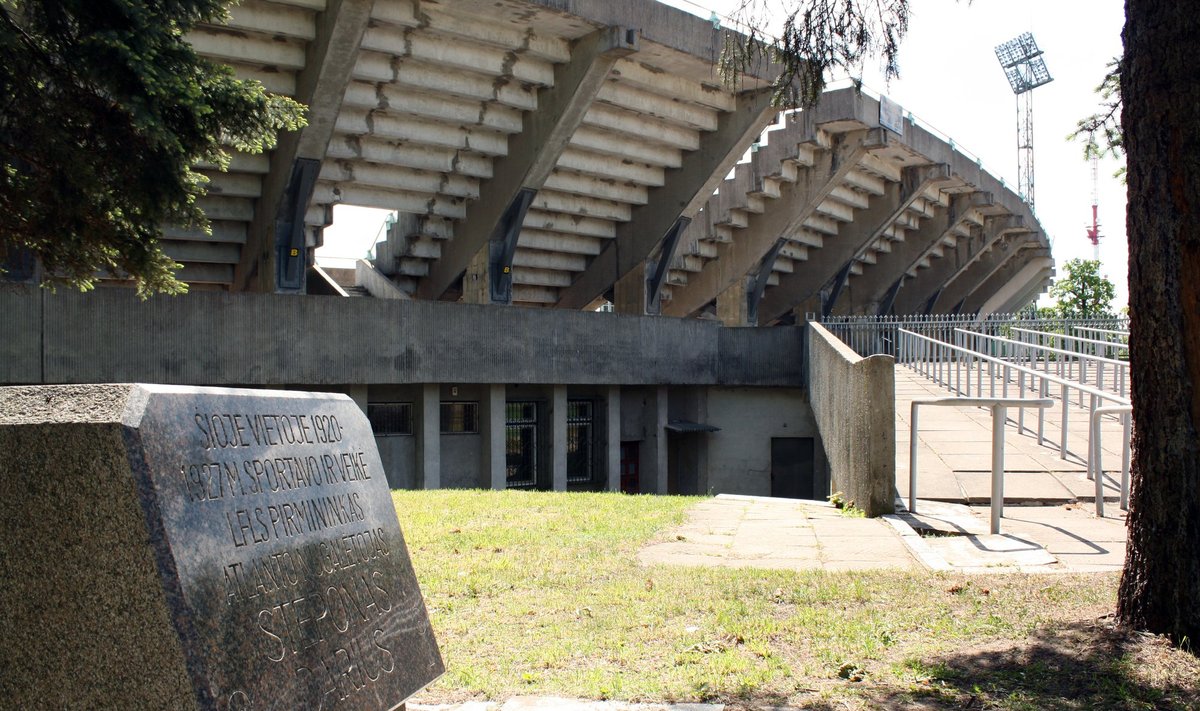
[1023, 64]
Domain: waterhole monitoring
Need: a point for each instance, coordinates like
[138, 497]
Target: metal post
[1126, 432]
[1043, 390]
[998, 417]
[1095, 463]
[1021, 411]
[1092, 413]
[912, 458]
[1066, 403]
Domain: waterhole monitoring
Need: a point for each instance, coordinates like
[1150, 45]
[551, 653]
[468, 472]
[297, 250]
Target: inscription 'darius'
[310, 573]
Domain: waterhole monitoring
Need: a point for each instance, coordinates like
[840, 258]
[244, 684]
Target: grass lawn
[540, 593]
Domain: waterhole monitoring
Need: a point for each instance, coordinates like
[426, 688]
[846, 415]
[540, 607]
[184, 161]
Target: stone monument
[210, 548]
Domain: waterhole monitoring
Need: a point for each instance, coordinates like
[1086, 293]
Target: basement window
[389, 419]
[460, 418]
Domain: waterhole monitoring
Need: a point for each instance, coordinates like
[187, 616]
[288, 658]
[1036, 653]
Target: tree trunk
[1160, 86]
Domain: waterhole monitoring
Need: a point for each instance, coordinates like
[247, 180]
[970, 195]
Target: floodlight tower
[1026, 70]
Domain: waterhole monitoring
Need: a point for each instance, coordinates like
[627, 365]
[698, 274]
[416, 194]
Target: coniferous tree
[105, 112]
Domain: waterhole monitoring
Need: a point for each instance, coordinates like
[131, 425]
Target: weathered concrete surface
[853, 399]
[792, 534]
[265, 339]
[786, 534]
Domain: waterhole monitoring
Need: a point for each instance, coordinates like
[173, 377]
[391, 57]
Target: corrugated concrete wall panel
[761, 356]
[261, 339]
[21, 329]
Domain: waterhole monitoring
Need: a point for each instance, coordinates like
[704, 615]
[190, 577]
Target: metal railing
[999, 407]
[1069, 364]
[956, 366]
[1096, 455]
[869, 335]
[1106, 332]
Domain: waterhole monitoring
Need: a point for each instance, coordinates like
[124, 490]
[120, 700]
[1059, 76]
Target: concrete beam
[329, 62]
[852, 240]
[1036, 285]
[1008, 282]
[979, 271]
[683, 193]
[797, 202]
[865, 294]
[915, 293]
[532, 153]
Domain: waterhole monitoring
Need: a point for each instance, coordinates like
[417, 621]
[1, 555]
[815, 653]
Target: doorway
[793, 470]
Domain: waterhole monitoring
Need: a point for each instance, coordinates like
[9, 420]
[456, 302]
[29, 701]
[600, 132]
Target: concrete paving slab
[785, 534]
[992, 551]
[1019, 487]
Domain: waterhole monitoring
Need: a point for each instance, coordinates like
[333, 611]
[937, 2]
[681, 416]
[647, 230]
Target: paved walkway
[954, 451]
[761, 532]
[1048, 524]
[552, 703]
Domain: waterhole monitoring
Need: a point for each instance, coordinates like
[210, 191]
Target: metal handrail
[1096, 454]
[1076, 339]
[1120, 367]
[999, 407]
[1093, 329]
[940, 366]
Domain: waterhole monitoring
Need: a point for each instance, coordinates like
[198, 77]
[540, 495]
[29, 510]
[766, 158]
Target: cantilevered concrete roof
[556, 152]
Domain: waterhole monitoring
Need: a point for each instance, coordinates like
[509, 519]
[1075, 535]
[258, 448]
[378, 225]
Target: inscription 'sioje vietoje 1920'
[298, 588]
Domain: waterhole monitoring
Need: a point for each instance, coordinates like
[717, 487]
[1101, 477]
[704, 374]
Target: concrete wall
[266, 339]
[854, 402]
[739, 456]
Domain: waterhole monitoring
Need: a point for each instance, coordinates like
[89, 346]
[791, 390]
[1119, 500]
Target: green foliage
[1101, 132]
[819, 38]
[1082, 292]
[106, 110]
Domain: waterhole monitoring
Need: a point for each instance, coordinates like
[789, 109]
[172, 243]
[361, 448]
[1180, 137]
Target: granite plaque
[269, 526]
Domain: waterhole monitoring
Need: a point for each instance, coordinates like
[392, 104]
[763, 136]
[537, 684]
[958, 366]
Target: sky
[952, 83]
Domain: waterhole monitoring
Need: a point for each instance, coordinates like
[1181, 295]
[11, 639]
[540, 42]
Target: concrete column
[493, 472]
[533, 152]
[358, 393]
[629, 292]
[558, 439]
[652, 456]
[796, 203]
[684, 191]
[612, 439]
[320, 85]
[732, 307]
[475, 288]
[429, 437]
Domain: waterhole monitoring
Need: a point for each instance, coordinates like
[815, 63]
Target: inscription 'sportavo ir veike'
[297, 591]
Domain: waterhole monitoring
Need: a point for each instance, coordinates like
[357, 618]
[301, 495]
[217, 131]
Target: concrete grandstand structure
[545, 157]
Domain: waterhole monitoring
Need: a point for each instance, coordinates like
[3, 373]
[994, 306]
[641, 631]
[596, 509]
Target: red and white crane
[1093, 232]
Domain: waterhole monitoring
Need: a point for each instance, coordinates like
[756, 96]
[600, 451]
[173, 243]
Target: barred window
[390, 418]
[579, 441]
[460, 418]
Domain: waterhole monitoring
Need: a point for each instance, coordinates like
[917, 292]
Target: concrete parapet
[853, 400]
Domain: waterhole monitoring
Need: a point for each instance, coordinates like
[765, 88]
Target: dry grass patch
[540, 593]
